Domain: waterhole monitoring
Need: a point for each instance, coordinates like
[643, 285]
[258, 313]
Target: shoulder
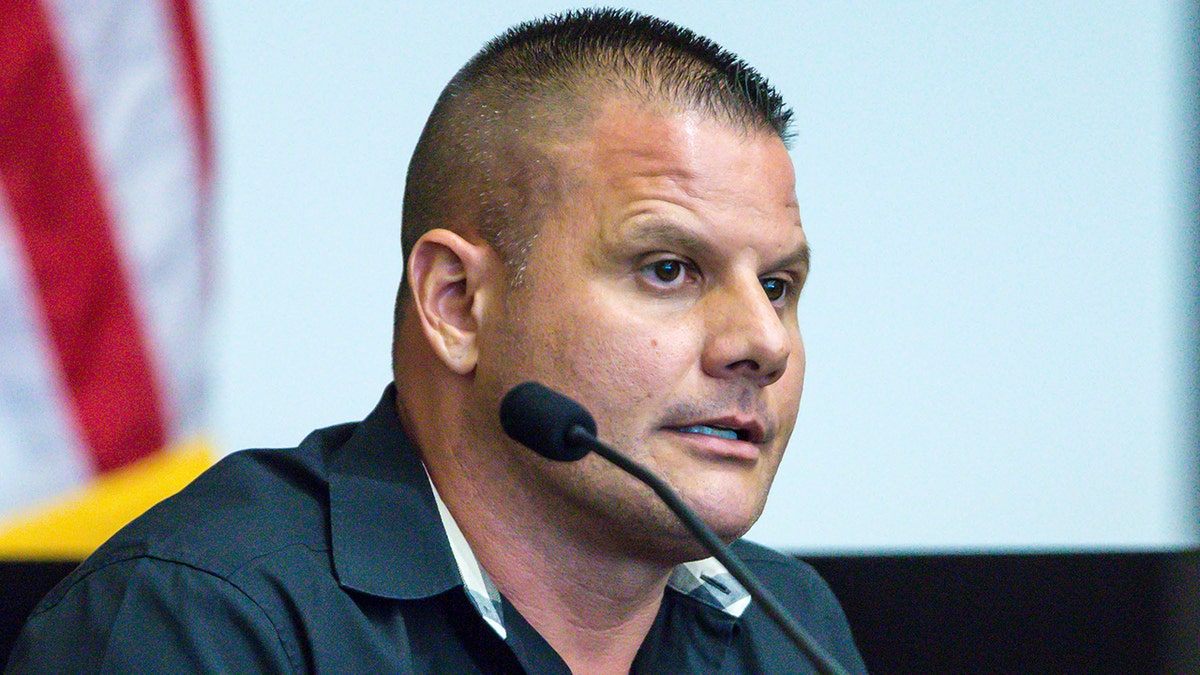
[220, 552]
[143, 614]
[248, 505]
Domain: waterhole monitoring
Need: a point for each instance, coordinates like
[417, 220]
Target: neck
[592, 603]
[596, 616]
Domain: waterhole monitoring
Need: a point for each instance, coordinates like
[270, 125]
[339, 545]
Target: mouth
[728, 428]
[727, 433]
[723, 439]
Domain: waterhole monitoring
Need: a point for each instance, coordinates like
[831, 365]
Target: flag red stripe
[63, 220]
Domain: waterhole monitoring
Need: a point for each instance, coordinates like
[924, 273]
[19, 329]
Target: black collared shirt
[331, 558]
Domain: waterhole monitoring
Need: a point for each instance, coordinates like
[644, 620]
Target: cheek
[797, 364]
[789, 389]
[619, 350]
[620, 361]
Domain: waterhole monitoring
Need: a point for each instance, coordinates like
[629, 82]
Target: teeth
[728, 434]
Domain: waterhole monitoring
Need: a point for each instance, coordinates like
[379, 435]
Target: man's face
[661, 295]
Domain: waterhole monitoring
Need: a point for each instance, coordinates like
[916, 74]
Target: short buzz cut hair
[477, 168]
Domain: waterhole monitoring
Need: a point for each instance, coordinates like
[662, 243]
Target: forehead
[637, 164]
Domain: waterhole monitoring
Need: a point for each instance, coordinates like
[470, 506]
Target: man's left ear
[450, 280]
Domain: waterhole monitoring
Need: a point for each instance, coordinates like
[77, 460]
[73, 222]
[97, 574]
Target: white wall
[992, 191]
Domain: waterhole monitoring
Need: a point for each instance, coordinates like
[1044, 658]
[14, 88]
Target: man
[601, 202]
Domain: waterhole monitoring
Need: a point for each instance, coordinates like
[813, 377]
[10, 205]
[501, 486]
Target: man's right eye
[667, 271]
[668, 274]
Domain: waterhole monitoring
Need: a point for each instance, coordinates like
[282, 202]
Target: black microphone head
[540, 418]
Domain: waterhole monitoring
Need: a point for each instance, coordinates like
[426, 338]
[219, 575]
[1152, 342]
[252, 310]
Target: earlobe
[447, 275]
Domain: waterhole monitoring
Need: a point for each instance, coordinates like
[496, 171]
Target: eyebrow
[672, 235]
[669, 234]
[799, 258]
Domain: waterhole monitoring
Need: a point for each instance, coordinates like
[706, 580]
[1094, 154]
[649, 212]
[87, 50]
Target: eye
[666, 271]
[776, 289]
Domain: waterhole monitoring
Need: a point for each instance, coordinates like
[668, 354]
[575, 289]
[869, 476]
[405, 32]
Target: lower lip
[715, 447]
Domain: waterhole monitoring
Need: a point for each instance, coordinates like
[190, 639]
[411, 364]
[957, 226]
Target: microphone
[542, 420]
[556, 427]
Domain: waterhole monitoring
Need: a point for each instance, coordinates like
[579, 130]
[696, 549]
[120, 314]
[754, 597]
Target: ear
[449, 279]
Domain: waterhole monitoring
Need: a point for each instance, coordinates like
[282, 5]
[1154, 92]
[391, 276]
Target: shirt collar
[479, 587]
[706, 581]
[385, 536]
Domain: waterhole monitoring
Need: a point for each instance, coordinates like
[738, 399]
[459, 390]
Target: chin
[684, 547]
[730, 510]
[729, 521]
[729, 529]
[662, 536]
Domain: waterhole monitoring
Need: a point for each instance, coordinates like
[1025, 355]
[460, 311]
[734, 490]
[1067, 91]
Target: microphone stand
[823, 660]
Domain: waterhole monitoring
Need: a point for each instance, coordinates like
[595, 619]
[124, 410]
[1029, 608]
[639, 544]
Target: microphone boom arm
[824, 662]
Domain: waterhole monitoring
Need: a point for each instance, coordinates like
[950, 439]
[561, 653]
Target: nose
[747, 338]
